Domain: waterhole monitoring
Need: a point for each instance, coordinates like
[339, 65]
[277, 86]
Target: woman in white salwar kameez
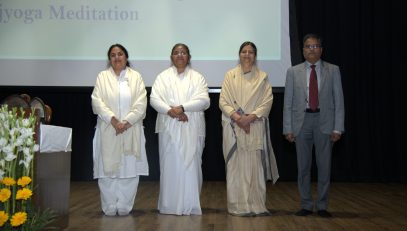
[245, 100]
[180, 96]
[119, 99]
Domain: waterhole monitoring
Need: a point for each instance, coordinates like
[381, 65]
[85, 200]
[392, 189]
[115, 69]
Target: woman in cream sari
[245, 101]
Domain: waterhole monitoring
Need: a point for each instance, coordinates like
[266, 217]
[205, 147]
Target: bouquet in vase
[17, 149]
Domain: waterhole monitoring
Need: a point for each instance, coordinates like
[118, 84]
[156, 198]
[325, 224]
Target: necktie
[313, 89]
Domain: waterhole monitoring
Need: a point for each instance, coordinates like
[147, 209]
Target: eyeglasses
[182, 53]
[314, 46]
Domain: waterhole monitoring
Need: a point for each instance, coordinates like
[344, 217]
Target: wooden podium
[53, 170]
[53, 184]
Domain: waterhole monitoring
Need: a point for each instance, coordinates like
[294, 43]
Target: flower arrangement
[17, 149]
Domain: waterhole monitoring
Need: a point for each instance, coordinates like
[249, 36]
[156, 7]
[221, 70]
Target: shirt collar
[317, 64]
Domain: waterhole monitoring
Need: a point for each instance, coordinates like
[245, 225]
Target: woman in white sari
[180, 96]
[245, 100]
[119, 157]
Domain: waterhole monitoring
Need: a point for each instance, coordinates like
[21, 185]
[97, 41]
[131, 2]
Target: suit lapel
[303, 76]
[324, 73]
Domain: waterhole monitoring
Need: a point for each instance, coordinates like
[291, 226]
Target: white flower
[19, 142]
[26, 122]
[8, 148]
[26, 132]
[3, 142]
[6, 124]
[12, 131]
[25, 163]
[10, 156]
[28, 158]
[29, 141]
[26, 151]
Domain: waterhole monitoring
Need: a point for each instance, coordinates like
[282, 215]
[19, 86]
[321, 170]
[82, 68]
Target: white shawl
[106, 104]
[190, 90]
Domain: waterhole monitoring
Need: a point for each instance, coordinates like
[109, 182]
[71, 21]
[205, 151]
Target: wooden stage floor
[354, 206]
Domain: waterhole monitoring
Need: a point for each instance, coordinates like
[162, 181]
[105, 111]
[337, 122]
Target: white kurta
[118, 160]
[180, 143]
[124, 155]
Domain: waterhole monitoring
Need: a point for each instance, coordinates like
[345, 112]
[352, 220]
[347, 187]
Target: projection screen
[65, 42]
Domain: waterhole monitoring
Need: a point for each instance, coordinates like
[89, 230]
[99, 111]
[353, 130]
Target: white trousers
[118, 194]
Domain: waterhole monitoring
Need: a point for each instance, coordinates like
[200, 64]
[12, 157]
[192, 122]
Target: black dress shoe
[324, 213]
[303, 213]
[263, 214]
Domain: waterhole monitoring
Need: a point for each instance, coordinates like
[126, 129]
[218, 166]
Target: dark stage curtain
[364, 38]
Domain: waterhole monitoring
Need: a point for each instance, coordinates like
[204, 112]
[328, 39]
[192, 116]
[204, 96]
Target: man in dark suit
[313, 119]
